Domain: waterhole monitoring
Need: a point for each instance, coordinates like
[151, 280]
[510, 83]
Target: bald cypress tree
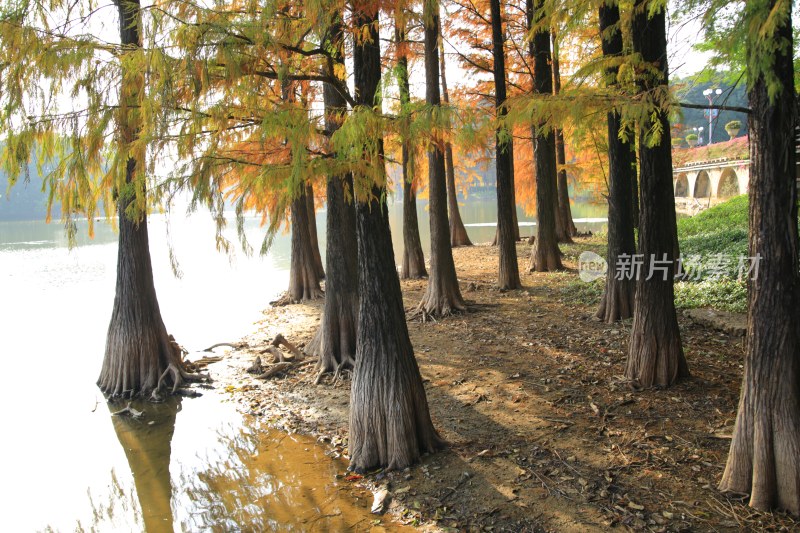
[390, 424]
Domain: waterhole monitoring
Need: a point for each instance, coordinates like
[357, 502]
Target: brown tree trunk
[545, 256]
[443, 295]
[312, 230]
[390, 424]
[335, 341]
[635, 193]
[618, 297]
[303, 275]
[764, 459]
[508, 276]
[564, 213]
[138, 349]
[458, 233]
[413, 258]
[656, 355]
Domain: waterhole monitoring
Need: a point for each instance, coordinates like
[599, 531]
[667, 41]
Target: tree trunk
[545, 256]
[335, 341]
[138, 349]
[564, 213]
[413, 258]
[303, 275]
[635, 193]
[617, 301]
[763, 458]
[390, 424]
[312, 230]
[458, 233]
[508, 277]
[656, 355]
[443, 296]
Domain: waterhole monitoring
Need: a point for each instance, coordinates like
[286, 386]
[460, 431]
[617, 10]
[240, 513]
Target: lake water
[190, 464]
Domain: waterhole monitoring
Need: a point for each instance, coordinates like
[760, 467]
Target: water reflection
[147, 443]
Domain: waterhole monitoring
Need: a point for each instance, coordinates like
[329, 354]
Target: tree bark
[139, 351]
[656, 355]
[312, 230]
[443, 295]
[763, 458]
[413, 258]
[564, 213]
[618, 297]
[390, 424]
[335, 341]
[458, 233]
[303, 274]
[508, 275]
[545, 256]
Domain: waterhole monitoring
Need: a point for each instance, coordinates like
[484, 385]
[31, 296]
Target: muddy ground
[527, 388]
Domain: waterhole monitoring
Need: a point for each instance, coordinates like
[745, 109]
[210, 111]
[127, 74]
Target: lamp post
[711, 113]
[699, 133]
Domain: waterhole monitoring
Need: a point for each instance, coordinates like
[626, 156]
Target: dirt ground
[544, 434]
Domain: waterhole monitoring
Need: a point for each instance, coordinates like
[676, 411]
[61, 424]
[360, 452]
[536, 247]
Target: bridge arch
[728, 185]
[681, 185]
[702, 185]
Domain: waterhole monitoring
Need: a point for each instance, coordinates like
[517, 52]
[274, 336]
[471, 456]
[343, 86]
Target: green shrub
[724, 294]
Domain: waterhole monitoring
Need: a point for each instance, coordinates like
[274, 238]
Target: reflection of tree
[147, 443]
[265, 481]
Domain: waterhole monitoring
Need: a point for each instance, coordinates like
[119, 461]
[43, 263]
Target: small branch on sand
[276, 369]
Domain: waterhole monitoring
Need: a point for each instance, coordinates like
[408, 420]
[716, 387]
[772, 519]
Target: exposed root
[179, 378]
[221, 344]
[280, 340]
[275, 369]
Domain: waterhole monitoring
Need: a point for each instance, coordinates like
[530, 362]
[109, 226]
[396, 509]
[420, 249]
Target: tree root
[179, 378]
[129, 411]
[221, 344]
[278, 355]
[347, 363]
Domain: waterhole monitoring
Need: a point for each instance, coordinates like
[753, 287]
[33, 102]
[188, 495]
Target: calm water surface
[191, 464]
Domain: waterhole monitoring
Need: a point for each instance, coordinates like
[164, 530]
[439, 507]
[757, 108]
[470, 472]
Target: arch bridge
[701, 184]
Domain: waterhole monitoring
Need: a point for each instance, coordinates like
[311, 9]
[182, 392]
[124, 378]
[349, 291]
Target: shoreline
[526, 388]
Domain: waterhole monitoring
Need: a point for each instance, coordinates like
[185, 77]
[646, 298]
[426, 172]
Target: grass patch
[578, 291]
[723, 294]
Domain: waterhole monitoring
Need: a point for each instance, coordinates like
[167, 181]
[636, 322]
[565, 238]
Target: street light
[699, 133]
[711, 113]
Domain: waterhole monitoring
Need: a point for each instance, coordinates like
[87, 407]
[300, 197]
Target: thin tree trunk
[139, 351]
[564, 213]
[335, 341]
[443, 295]
[635, 193]
[545, 256]
[656, 355]
[763, 459]
[618, 298]
[303, 275]
[413, 258]
[508, 275]
[458, 233]
[390, 424]
[312, 230]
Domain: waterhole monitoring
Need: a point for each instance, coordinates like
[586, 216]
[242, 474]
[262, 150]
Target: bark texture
[545, 256]
[312, 230]
[442, 296]
[413, 266]
[618, 297]
[335, 341]
[139, 351]
[458, 233]
[303, 274]
[390, 424]
[564, 212]
[508, 275]
[656, 354]
[764, 458]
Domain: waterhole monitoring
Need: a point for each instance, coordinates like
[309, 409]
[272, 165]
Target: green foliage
[724, 294]
[691, 137]
[584, 293]
[733, 125]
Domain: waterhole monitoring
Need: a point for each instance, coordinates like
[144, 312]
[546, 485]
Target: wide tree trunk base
[458, 236]
[545, 260]
[764, 459]
[617, 301]
[413, 265]
[656, 356]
